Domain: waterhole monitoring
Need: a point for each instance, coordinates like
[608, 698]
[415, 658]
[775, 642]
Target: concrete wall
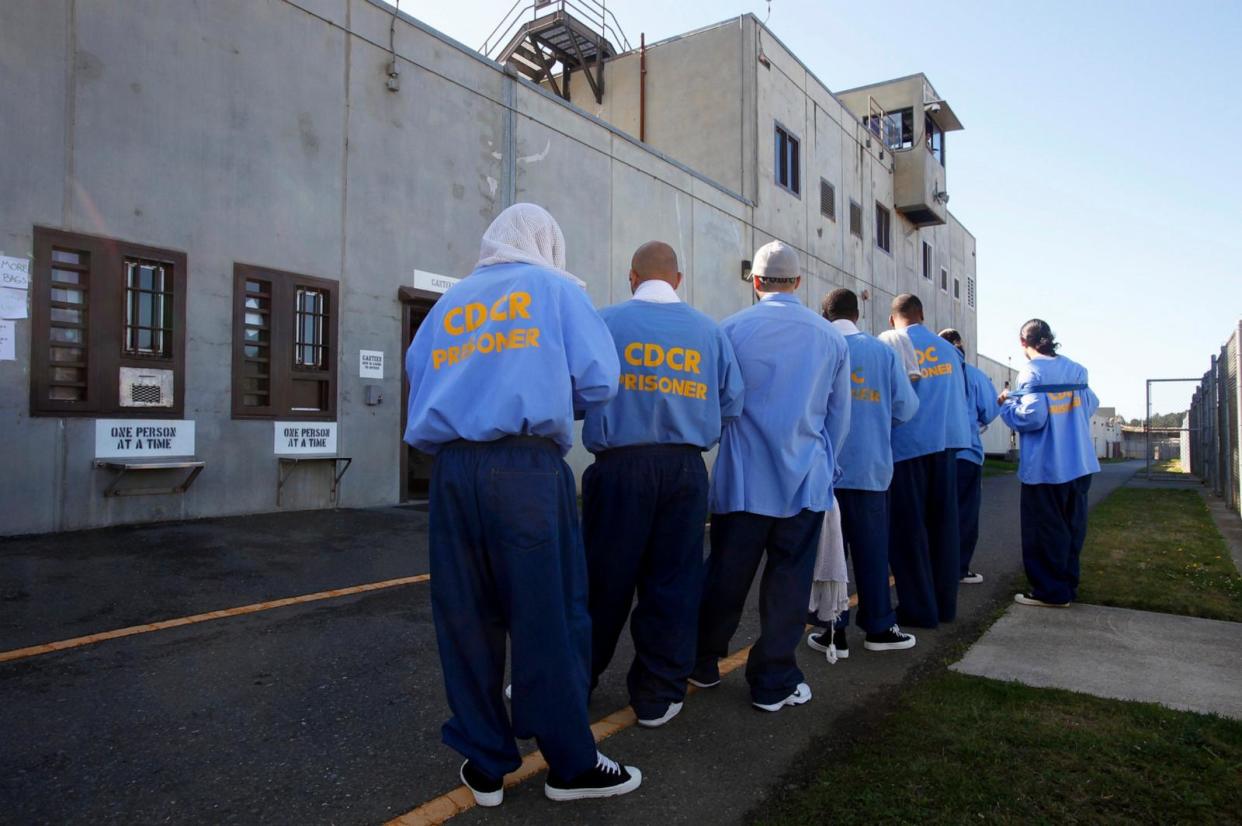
[262, 132]
[998, 439]
[712, 103]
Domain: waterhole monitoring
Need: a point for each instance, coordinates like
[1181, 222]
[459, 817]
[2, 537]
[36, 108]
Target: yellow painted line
[91, 639]
[446, 806]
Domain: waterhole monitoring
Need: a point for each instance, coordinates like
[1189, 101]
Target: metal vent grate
[145, 394]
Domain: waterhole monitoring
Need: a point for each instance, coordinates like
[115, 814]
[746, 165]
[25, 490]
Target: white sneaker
[607, 779]
[487, 791]
[509, 691]
[1027, 599]
[655, 722]
[698, 684]
[971, 578]
[801, 694]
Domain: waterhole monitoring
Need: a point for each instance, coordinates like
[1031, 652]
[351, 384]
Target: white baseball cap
[776, 260]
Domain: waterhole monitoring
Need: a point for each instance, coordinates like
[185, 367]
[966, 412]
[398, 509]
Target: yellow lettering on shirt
[686, 388]
[474, 316]
[928, 355]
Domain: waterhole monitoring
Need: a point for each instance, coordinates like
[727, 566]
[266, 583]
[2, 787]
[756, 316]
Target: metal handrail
[596, 12]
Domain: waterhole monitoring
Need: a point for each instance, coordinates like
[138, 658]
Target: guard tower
[549, 40]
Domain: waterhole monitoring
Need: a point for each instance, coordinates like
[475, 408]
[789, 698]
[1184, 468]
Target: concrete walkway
[1180, 662]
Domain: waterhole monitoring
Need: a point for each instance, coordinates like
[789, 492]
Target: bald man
[644, 499]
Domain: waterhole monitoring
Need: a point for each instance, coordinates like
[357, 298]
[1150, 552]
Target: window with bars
[883, 228]
[284, 344]
[927, 261]
[855, 218]
[107, 326]
[970, 292]
[788, 162]
[827, 200]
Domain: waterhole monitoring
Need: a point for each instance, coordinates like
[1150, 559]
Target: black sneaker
[487, 791]
[819, 642]
[607, 779]
[891, 640]
[1030, 599]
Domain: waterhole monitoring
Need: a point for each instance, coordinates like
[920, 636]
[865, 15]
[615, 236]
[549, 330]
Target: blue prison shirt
[983, 406]
[679, 379]
[1054, 429]
[881, 397]
[511, 350]
[779, 457]
[942, 421]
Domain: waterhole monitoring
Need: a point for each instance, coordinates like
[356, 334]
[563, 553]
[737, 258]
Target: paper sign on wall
[8, 341]
[371, 364]
[143, 438]
[433, 283]
[12, 303]
[14, 272]
[305, 438]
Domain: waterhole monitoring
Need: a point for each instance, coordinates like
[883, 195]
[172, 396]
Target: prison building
[225, 221]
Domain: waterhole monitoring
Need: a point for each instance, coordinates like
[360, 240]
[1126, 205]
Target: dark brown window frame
[106, 296]
[281, 343]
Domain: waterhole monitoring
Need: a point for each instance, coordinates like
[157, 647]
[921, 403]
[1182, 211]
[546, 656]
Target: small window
[957, 288]
[827, 200]
[788, 171]
[108, 327]
[934, 136]
[284, 344]
[970, 292]
[944, 280]
[927, 261]
[855, 218]
[883, 228]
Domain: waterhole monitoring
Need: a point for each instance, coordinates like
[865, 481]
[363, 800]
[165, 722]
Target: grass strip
[1158, 550]
[960, 749]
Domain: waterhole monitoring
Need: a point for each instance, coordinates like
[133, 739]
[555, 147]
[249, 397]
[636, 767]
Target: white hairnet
[526, 233]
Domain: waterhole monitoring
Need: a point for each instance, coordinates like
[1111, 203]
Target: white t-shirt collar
[657, 292]
[846, 327]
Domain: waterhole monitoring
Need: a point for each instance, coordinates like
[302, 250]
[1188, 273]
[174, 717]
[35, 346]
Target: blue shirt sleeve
[590, 353]
[905, 400]
[731, 388]
[1026, 414]
[986, 406]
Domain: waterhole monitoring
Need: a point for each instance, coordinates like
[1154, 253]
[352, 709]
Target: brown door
[415, 465]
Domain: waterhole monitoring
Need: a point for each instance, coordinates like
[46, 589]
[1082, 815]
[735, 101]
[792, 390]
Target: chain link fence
[1214, 424]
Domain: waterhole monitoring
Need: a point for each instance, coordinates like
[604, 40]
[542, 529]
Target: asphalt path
[329, 711]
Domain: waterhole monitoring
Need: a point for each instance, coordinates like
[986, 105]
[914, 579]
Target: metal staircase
[549, 40]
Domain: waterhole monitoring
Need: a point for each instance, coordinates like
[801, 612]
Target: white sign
[12, 303]
[14, 272]
[143, 438]
[305, 438]
[370, 364]
[433, 283]
[8, 349]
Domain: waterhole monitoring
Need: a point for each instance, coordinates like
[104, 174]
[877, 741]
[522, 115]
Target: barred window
[284, 344]
[108, 327]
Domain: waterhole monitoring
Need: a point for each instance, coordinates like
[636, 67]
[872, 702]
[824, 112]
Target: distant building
[1106, 433]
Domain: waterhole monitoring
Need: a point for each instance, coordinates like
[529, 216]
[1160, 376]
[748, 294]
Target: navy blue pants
[643, 511]
[864, 524]
[969, 498]
[1054, 525]
[507, 560]
[738, 544]
[923, 543]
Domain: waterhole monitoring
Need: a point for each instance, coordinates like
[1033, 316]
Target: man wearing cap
[881, 396]
[923, 518]
[984, 408]
[498, 370]
[644, 500]
[773, 479]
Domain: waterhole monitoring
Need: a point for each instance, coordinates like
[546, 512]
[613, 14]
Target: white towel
[830, 591]
[900, 341]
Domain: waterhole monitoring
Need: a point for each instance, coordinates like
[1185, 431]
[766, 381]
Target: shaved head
[654, 260]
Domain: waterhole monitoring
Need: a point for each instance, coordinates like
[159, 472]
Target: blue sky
[1099, 168]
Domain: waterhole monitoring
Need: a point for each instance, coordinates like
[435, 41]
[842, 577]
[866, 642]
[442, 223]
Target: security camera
[933, 107]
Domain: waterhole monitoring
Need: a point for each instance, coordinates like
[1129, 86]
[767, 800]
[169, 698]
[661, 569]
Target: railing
[592, 11]
[881, 125]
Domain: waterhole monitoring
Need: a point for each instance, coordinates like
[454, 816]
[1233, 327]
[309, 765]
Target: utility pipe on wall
[642, 87]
